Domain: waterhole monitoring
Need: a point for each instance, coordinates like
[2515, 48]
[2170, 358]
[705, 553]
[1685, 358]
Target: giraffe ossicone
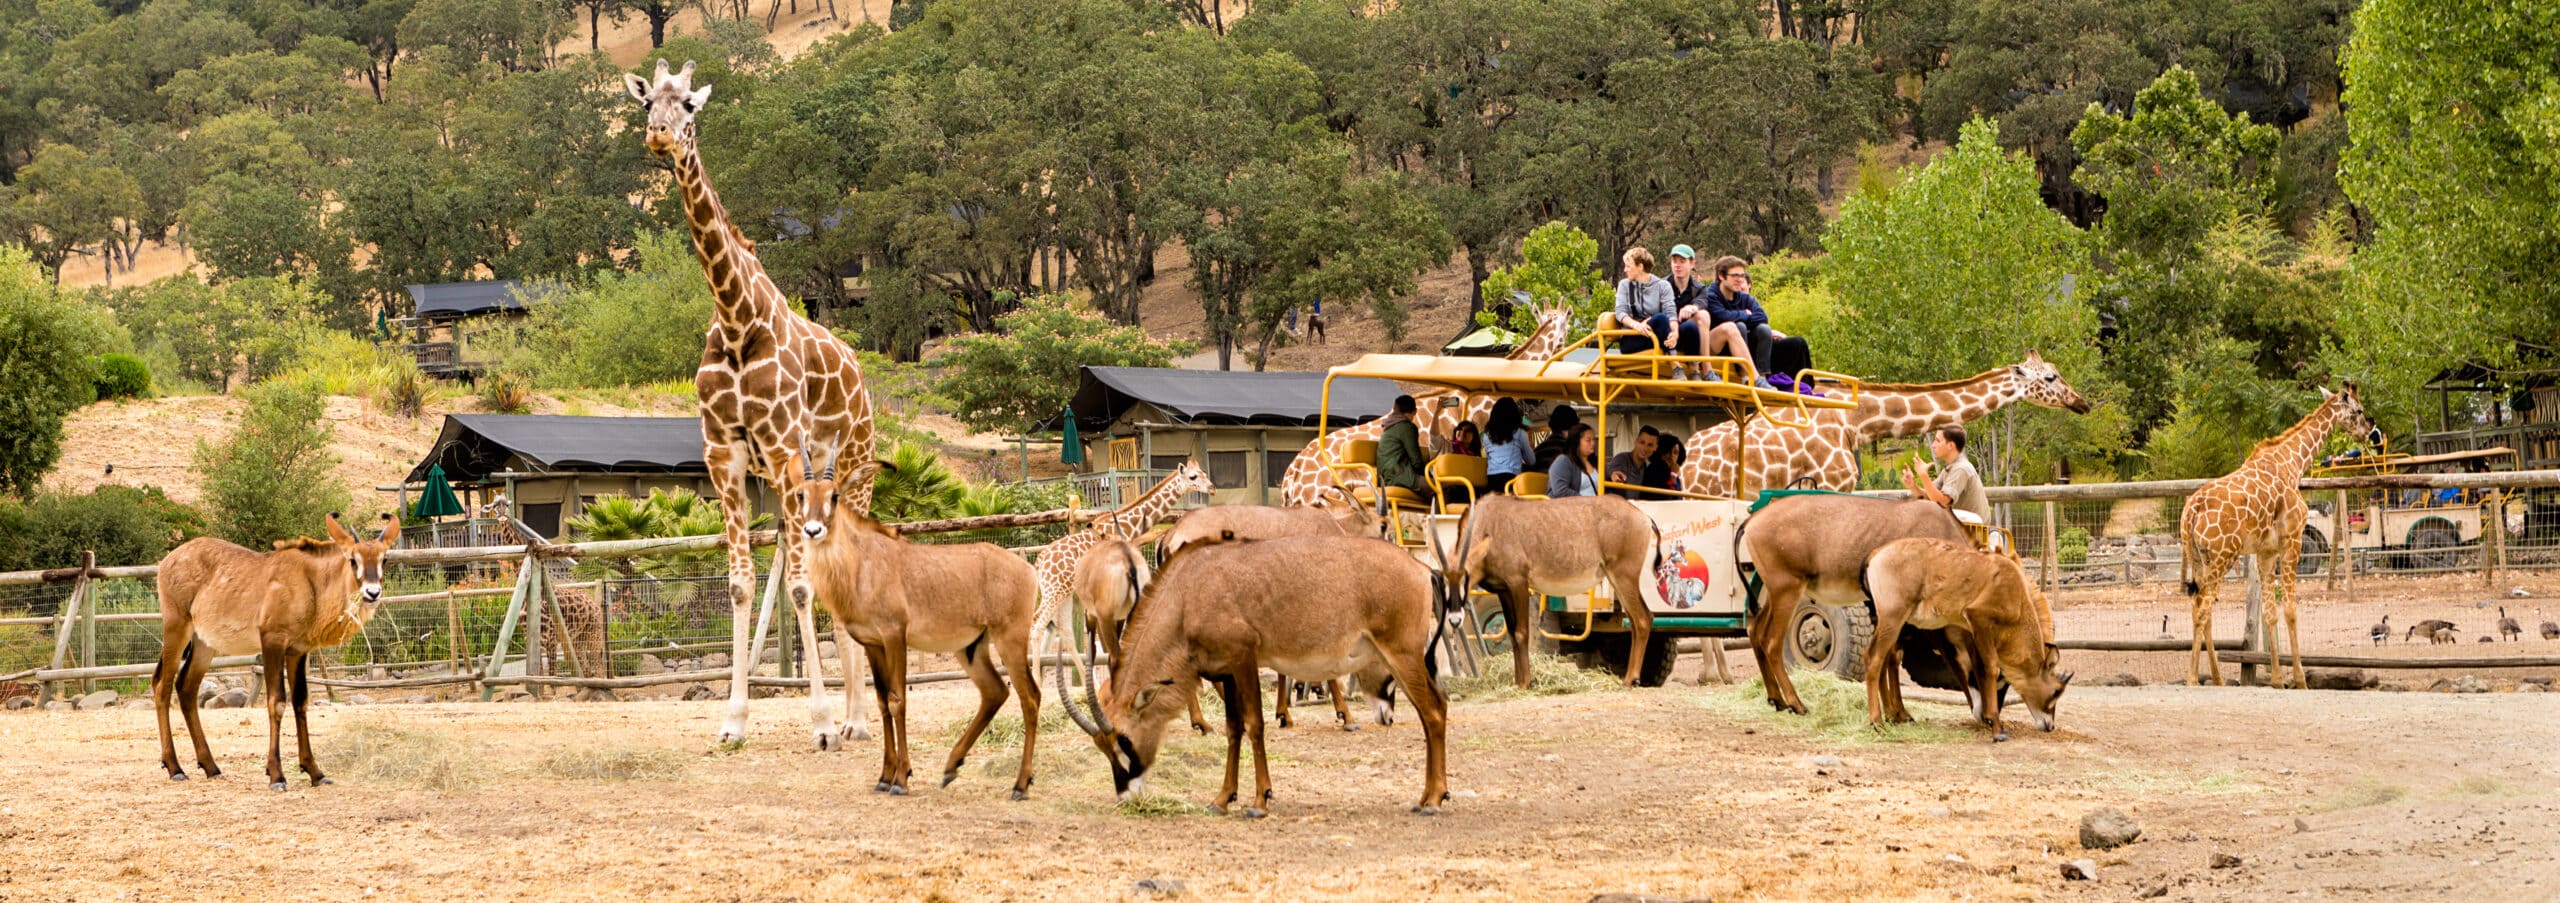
[772, 385]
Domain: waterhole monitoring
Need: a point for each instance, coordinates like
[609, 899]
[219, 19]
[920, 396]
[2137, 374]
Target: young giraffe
[1780, 455]
[1309, 481]
[2258, 510]
[771, 385]
[1056, 566]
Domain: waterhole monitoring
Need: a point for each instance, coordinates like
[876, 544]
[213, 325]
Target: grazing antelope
[891, 595]
[1524, 549]
[220, 599]
[1232, 523]
[2508, 629]
[1818, 545]
[1226, 611]
[2426, 628]
[2000, 624]
[2382, 630]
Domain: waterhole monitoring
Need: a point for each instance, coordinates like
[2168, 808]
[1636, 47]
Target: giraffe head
[2039, 383]
[672, 101]
[1187, 479]
[2346, 414]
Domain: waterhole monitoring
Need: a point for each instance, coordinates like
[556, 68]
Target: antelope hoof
[2000, 737]
[1347, 726]
[950, 776]
[1251, 812]
[321, 782]
[1020, 794]
[897, 790]
[1426, 810]
[277, 786]
[881, 787]
[1201, 728]
[177, 776]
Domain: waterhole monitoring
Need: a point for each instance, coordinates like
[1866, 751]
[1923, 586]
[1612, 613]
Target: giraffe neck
[1925, 408]
[1143, 512]
[1539, 346]
[2290, 453]
[726, 257]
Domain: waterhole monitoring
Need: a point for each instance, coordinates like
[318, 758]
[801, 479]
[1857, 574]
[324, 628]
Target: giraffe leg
[2286, 561]
[857, 723]
[793, 565]
[2200, 647]
[729, 473]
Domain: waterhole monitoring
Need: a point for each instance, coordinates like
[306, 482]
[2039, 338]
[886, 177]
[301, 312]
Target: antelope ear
[338, 533]
[390, 528]
[639, 87]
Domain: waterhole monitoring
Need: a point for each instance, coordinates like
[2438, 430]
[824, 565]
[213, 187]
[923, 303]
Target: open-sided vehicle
[2419, 529]
[1698, 587]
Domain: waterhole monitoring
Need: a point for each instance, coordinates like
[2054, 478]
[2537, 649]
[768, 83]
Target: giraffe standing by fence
[1056, 565]
[1774, 456]
[772, 388]
[1310, 479]
[2258, 510]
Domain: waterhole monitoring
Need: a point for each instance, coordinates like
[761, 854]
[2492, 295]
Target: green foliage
[1554, 271]
[123, 524]
[919, 487]
[47, 369]
[505, 392]
[2454, 147]
[272, 478]
[1959, 269]
[2175, 167]
[237, 333]
[2071, 547]
[123, 376]
[2224, 406]
[666, 513]
[1026, 372]
[620, 328]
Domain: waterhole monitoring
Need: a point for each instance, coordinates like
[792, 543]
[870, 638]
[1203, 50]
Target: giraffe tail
[2186, 568]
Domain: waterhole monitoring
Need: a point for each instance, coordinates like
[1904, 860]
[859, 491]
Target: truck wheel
[2435, 542]
[1607, 652]
[1829, 638]
[1661, 654]
[2315, 553]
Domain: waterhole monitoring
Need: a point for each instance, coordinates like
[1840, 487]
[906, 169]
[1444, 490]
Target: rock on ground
[2116, 680]
[98, 700]
[2342, 679]
[2223, 861]
[21, 702]
[715, 661]
[698, 692]
[2107, 829]
[234, 698]
[2080, 870]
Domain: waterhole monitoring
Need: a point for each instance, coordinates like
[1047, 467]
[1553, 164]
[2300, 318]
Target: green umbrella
[382, 324]
[437, 500]
[1070, 449]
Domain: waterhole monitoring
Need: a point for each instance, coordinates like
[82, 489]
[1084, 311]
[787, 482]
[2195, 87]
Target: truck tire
[2315, 553]
[1829, 638]
[1607, 653]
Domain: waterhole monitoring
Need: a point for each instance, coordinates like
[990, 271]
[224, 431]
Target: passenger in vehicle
[1665, 470]
[1556, 442]
[1729, 302]
[1628, 468]
[1644, 302]
[1400, 450]
[1462, 441]
[1571, 474]
[1507, 452]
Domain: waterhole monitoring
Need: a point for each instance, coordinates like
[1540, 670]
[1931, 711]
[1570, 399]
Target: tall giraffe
[2258, 510]
[1056, 565]
[772, 386]
[1310, 481]
[1828, 452]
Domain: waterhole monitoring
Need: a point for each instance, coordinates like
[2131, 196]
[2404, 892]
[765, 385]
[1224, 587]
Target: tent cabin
[1242, 427]
[551, 466]
[436, 326]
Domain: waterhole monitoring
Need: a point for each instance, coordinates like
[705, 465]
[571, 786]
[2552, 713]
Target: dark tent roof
[466, 299]
[473, 446]
[1226, 397]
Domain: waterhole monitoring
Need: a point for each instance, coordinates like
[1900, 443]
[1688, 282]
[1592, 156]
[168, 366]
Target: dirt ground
[2332, 622]
[1683, 791]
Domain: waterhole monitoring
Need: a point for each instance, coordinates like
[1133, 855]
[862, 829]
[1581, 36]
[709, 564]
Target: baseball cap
[1684, 251]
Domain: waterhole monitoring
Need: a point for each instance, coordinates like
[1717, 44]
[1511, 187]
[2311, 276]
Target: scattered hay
[2364, 792]
[2477, 785]
[1156, 805]
[389, 754]
[2230, 782]
[1837, 710]
[1005, 730]
[1548, 676]
[581, 763]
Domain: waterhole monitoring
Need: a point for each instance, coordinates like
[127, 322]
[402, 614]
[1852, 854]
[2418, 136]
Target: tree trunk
[658, 16]
[595, 27]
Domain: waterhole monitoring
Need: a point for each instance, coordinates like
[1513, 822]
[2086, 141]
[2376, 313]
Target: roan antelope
[1817, 545]
[1233, 523]
[2000, 625]
[1226, 611]
[218, 599]
[891, 595]
[1525, 549]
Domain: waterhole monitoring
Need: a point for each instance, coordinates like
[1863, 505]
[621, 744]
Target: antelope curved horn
[1067, 696]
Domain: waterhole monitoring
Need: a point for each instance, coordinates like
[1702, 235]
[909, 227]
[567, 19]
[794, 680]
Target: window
[1275, 464]
[1166, 463]
[543, 518]
[1227, 469]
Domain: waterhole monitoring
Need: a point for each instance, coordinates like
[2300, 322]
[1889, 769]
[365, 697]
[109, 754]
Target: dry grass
[2364, 792]
[377, 752]
[1548, 676]
[590, 763]
[1836, 709]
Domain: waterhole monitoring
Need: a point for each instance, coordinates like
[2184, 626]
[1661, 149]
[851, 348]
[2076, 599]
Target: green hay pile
[579, 763]
[1836, 709]
[1548, 676]
[1157, 805]
[381, 753]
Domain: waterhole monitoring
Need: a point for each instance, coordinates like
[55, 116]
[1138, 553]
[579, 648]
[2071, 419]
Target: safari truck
[2418, 529]
[1694, 585]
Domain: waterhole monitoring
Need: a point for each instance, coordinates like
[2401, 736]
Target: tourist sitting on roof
[1729, 301]
[1644, 302]
[1689, 295]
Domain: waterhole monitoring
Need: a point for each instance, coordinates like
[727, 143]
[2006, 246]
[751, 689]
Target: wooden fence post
[2338, 540]
[507, 624]
[2493, 530]
[2052, 550]
[88, 615]
[537, 663]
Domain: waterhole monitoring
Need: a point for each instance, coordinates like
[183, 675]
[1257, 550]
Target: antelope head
[363, 557]
[814, 504]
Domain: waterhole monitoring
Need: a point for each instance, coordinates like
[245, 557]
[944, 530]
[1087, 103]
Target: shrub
[2071, 548]
[46, 344]
[123, 524]
[623, 328]
[1027, 372]
[123, 376]
[504, 392]
[272, 478]
[407, 395]
[245, 331]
